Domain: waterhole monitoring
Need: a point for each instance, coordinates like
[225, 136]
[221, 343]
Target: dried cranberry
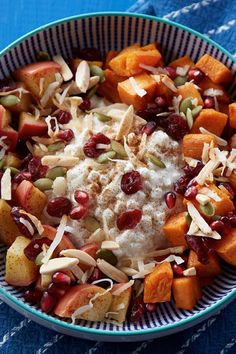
[175, 126]
[81, 197]
[86, 104]
[149, 128]
[137, 309]
[36, 169]
[22, 176]
[217, 226]
[78, 212]
[61, 278]
[171, 72]
[56, 290]
[59, 206]
[63, 117]
[47, 302]
[90, 148]
[170, 199]
[199, 246]
[66, 135]
[229, 189]
[33, 296]
[151, 307]
[129, 219]
[16, 216]
[193, 171]
[209, 102]
[96, 275]
[131, 182]
[161, 101]
[178, 270]
[35, 247]
[191, 192]
[180, 185]
[196, 75]
[150, 112]
[92, 54]
[7, 85]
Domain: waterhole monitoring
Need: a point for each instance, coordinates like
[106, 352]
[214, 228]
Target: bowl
[114, 31]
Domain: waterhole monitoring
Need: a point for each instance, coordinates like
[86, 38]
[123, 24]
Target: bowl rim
[87, 330]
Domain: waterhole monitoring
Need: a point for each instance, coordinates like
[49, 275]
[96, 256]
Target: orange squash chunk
[75, 62]
[208, 270]
[206, 83]
[232, 115]
[108, 88]
[175, 229]
[193, 144]
[186, 292]
[226, 247]
[129, 96]
[189, 90]
[214, 69]
[182, 62]
[157, 285]
[224, 108]
[211, 120]
[163, 90]
[232, 179]
[110, 55]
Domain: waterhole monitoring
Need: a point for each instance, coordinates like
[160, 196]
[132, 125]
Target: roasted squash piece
[186, 292]
[108, 88]
[214, 69]
[189, 90]
[193, 144]
[211, 120]
[232, 115]
[206, 83]
[157, 285]
[226, 247]
[208, 270]
[175, 229]
[182, 62]
[110, 55]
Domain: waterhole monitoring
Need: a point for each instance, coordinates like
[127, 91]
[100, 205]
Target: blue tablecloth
[216, 335]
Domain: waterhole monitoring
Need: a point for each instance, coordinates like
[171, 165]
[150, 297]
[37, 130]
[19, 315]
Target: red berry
[96, 275]
[59, 206]
[131, 182]
[218, 226]
[170, 199]
[178, 270]
[128, 219]
[81, 197]
[191, 192]
[86, 104]
[61, 278]
[149, 128]
[90, 148]
[196, 75]
[150, 112]
[33, 296]
[180, 185]
[171, 72]
[22, 176]
[151, 307]
[161, 101]
[47, 302]
[56, 290]
[209, 102]
[35, 247]
[36, 169]
[137, 309]
[63, 117]
[193, 171]
[175, 126]
[66, 135]
[78, 212]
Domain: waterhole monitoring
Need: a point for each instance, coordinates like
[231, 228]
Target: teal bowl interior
[108, 31]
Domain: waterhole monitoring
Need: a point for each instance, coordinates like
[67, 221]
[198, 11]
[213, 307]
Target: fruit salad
[118, 181]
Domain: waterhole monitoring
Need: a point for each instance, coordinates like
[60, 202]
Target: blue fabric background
[217, 19]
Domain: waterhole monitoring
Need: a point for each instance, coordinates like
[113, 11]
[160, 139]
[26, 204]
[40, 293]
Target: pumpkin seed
[188, 219]
[185, 104]
[207, 209]
[102, 117]
[55, 172]
[39, 259]
[2, 162]
[196, 111]
[9, 100]
[96, 71]
[103, 158]
[157, 162]
[216, 217]
[92, 91]
[107, 255]
[43, 56]
[91, 224]
[14, 171]
[180, 80]
[118, 148]
[56, 146]
[43, 184]
[189, 118]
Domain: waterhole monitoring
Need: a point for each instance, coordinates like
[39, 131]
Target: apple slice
[31, 74]
[8, 229]
[29, 126]
[120, 303]
[5, 117]
[12, 137]
[91, 249]
[30, 198]
[25, 100]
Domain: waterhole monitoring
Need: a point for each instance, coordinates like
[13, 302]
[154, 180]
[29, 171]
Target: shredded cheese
[49, 93]
[210, 194]
[202, 199]
[219, 140]
[37, 223]
[176, 102]
[122, 288]
[213, 92]
[52, 133]
[137, 89]
[189, 272]
[176, 250]
[27, 224]
[6, 185]
[168, 83]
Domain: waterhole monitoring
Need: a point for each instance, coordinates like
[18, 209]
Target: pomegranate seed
[16, 216]
[229, 189]
[22, 176]
[161, 101]
[131, 182]
[151, 307]
[129, 219]
[217, 226]
[209, 102]
[171, 72]
[56, 290]
[137, 309]
[36, 169]
[170, 199]
[180, 185]
[232, 221]
[47, 302]
[61, 278]
[33, 296]
[178, 269]
[149, 128]
[78, 212]
[90, 149]
[196, 75]
[193, 171]
[63, 117]
[96, 275]
[81, 197]
[59, 206]
[35, 247]
[191, 192]
[66, 135]
[86, 104]
[175, 126]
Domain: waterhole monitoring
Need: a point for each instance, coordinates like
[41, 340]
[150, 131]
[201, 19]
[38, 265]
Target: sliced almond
[65, 70]
[97, 236]
[82, 256]
[82, 76]
[128, 271]
[56, 264]
[49, 93]
[193, 228]
[219, 140]
[110, 245]
[202, 199]
[122, 288]
[198, 219]
[189, 272]
[6, 185]
[137, 89]
[77, 271]
[57, 160]
[111, 271]
[126, 123]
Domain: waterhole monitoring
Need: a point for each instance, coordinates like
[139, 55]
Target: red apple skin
[5, 117]
[12, 137]
[91, 249]
[26, 100]
[29, 126]
[50, 232]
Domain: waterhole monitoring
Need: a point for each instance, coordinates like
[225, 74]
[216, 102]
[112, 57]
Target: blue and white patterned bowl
[115, 31]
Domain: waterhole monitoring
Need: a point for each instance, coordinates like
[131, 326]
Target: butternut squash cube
[110, 55]
[182, 62]
[214, 69]
[211, 120]
[108, 88]
[232, 115]
[206, 83]
[208, 270]
[189, 90]
[226, 247]
[175, 229]
[193, 144]
[186, 292]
